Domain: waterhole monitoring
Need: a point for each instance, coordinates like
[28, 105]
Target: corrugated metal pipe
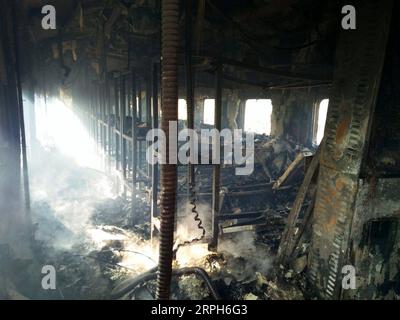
[169, 107]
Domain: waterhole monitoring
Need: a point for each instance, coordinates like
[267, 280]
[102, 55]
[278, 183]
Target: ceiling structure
[265, 44]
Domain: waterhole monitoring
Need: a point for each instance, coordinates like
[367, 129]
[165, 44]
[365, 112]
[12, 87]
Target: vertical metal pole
[88, 101]
[99, 114]
[93, 110]
[90, 111]
[96, 112]
[103, 117]
[108, 116]
[216, 185]
[116, 121]
[134, 145]
[154, 171]
[189, 80]
[148, 117]
[139, 88]
[169, 102]
[140, 105]
[148, 96]
[122, 128]
[103, 76]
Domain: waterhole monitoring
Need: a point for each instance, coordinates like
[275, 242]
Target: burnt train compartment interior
[199, 149]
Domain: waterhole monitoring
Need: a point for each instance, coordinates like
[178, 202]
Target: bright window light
[59, 128]
[182, 109]
[209, 111]
[322, 113]
[257, 117]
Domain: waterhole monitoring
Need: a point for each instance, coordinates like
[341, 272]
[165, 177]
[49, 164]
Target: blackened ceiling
[290, 36]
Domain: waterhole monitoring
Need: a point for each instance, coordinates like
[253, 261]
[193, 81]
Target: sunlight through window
[182, 109]
[209, 111]
[257, 118]
[59, 128]
[321, 121]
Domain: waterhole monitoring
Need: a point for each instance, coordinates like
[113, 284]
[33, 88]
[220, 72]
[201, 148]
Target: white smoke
[243, 246]
[67, 176]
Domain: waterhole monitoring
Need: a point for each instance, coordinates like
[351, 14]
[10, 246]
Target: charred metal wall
[360, 57]
[375, 238]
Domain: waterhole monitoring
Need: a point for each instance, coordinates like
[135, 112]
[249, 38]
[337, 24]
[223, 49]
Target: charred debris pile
[108, 252]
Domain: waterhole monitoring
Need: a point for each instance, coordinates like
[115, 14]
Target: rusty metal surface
[360, 57]
[331, 228]
[169, 108]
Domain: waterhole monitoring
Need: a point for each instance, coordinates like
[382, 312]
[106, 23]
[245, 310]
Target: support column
[354, 91]
[134, 145]
[148, 118]
[116, 121]
[169, 101]
[154, 171]
[122, 129]
[108, 117]
[216, 184]
[189, 80]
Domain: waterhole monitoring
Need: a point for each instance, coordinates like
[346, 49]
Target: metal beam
[122, 99]
[134, 144]
[189, 78]
[116, 119]
[216, 184]
[154, 171]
